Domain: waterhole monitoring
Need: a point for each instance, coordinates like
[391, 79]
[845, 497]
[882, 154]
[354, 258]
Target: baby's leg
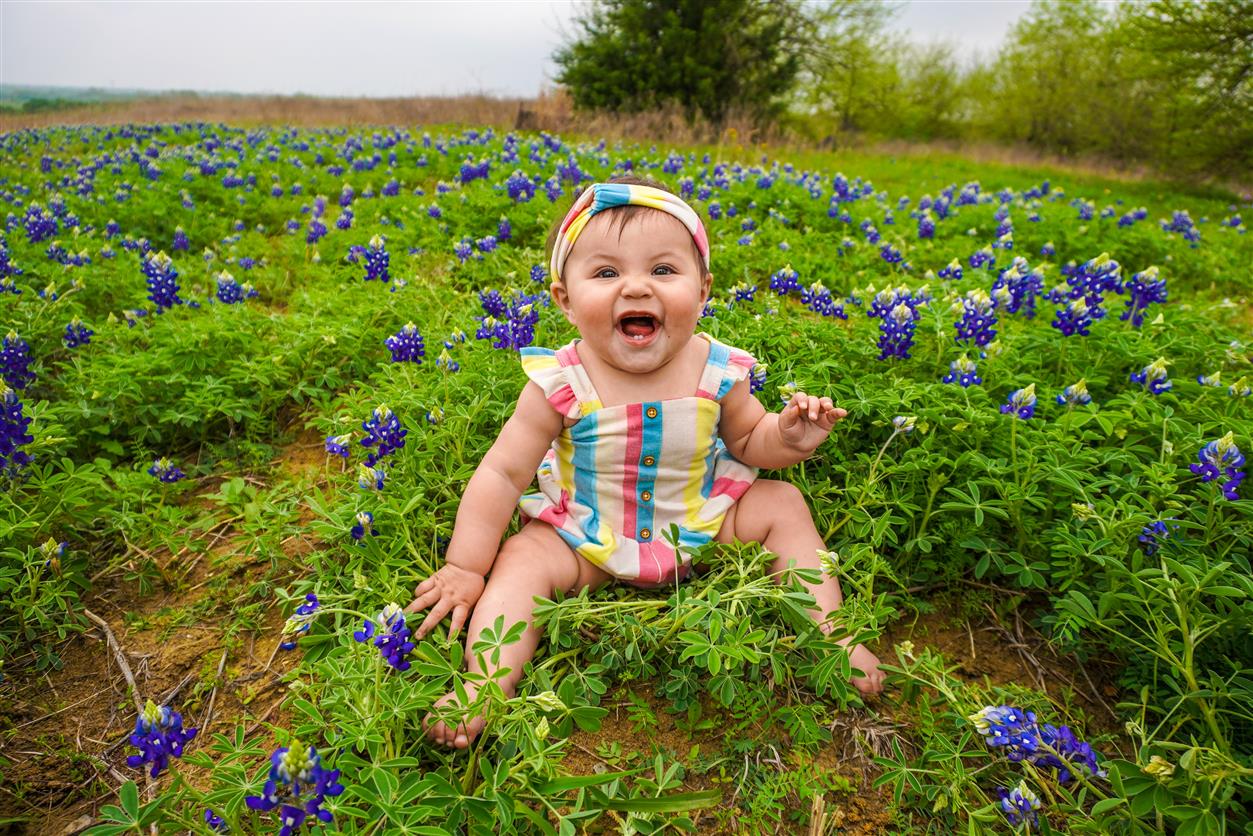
[533, 562]
[774, 514]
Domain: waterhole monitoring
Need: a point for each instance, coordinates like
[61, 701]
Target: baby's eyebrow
[670, 254]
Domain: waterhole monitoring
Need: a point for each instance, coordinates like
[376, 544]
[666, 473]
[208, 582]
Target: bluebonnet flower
[345, 219]
[15, 361]
[926, 226]
[757, 377]
[297, 777]
[1152, 535]
[159, 734]
[365, 523]
[215, 822]
[231, 292]
[1015, 730]
[890, 254]
[1074, 318]
[744, 292]
[7, 270]
[1210, 379]
[785, 281]
[1022, 284]
[1075, 394]
[180, 240]
[1221, 457]
[165, 470]
[1019, 804]
[872, 234]
[1153, 376]
[818, 299]
[1144, 288]
[300, 622]
[383, 429]
[371, 478]
[952, 271]
[13, 435]
[1241, 388]
[552, 189]
[538, 273]
[510, 324]
[745, 240]
[337, 445]
[406, 345]
[463, 249]
[520, 187]
[317, 230]
[1021, 403]
[982, 257]
[376, 260]
[162, 281]
[434, 416]
[76, 334]
[390, 634]
[964, 371]
[504, 229]
[445, 361]
[977, 318]
[246, 263]
[904, 424]
[486, 244]
[898, 314]
[1182, 222]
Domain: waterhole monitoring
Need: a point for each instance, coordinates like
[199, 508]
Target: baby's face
[635, 299]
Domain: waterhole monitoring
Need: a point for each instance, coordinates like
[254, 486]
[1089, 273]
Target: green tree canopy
[710, 57]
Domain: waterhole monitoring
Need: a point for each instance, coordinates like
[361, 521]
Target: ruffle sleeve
[738, 365]
[543, 367]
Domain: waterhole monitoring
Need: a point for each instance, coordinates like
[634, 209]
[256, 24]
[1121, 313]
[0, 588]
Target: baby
[638, 424]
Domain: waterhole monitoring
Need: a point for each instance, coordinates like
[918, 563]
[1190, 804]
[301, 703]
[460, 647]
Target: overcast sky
[360, 48]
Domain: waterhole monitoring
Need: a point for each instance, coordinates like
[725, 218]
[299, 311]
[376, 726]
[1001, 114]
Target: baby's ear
[561, 297]
[707, 286]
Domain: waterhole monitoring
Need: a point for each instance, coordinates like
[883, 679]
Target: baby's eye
[606, 273]
[665, 269]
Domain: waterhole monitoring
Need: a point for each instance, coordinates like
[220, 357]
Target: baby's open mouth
[637, 327]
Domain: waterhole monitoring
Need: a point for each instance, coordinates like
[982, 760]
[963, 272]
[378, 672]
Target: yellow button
[645, 534]
[649, 461]
[651, 412]
[646, 495]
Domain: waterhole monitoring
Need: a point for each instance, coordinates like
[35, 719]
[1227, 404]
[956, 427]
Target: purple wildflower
[13, 434]
[76, 334]
[297, 777]
[365, 523]
[300, 622]
[162, 281]
[1153, 376]
[390, 634]
[165, 471]
[15, 361]
[964, 371]
[383, 429]
[159, 734]
[1221, 457]
[406, 345]
[1021, 403]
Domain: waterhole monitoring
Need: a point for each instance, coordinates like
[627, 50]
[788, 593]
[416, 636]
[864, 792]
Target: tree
[1200, 56]
[710, 57]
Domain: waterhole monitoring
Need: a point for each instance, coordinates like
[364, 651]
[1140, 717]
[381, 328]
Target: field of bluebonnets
[251, 370]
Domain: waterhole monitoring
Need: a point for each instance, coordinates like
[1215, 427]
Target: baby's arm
[775, 439]
[486, 508]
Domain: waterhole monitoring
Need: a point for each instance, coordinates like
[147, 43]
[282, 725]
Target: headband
[601, 196]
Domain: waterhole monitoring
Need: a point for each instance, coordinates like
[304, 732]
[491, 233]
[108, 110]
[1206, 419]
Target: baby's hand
[450, 589]
[872, 683]
[807, 421]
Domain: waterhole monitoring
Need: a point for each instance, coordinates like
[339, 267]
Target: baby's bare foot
[464, 732]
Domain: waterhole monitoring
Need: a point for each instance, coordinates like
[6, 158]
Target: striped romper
[615, 480]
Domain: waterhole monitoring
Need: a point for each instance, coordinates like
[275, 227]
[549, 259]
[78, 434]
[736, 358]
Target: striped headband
[600, 196]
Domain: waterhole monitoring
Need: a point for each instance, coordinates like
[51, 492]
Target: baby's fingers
[424, 598]
[434, 617]
[460, 614]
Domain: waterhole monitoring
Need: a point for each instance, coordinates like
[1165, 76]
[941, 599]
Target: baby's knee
[782, 497]
[528, 561]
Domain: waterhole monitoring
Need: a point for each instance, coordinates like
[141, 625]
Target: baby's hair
[623, 215]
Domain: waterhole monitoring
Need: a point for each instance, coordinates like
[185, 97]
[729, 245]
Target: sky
[361, 48]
